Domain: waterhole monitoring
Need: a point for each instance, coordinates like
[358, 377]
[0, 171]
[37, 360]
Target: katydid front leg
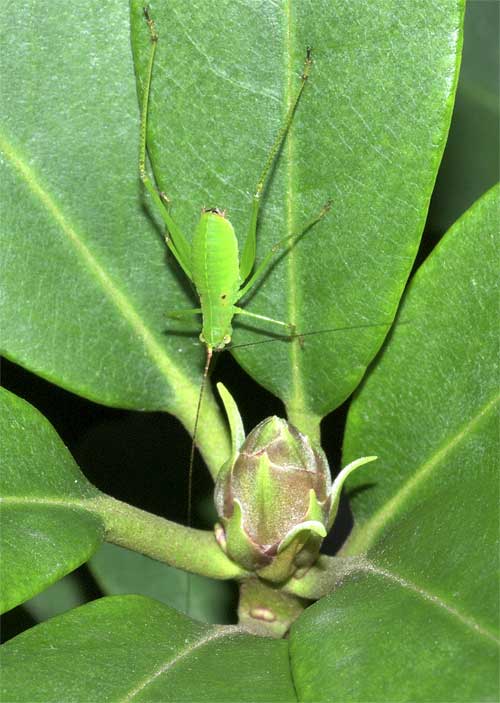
[174, 238]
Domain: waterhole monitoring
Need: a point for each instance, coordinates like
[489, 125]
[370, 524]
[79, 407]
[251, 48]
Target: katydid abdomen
[215, 271]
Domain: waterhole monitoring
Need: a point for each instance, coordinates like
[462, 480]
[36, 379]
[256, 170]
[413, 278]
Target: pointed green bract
[339, 482]
[234, 418]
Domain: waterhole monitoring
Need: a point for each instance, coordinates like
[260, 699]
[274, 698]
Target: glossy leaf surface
[471, 161]
[85, 278]
[419, 619]
[46, 532]
[376, 640]
[153, 654]
[376, 109]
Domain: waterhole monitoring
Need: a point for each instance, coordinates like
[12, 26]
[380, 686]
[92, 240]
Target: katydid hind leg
[175, 239]
[288, 240]
[249, 248]
[289, 325]
[188, 312]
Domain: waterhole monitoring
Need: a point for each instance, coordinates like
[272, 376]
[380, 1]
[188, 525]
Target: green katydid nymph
[211, 261]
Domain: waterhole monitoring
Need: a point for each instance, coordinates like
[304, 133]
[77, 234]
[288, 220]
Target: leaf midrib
[81, 503]
[366, 535]
[112, 289]
[298, 398]
[202, 641]
[369, 566]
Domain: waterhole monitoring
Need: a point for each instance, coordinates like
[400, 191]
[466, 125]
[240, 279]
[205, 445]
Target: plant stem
[183, 547]
[322, 578]
[305, 422]
[265, 610]
[213, 439]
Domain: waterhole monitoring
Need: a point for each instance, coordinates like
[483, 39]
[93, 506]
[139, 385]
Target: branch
[182, 547]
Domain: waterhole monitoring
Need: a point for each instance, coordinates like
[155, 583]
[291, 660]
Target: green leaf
[418, 618]
[63, 595]
[85, 279]
[127, 648]
[433, 395]
[471, 161]
[46, 532]
[53, 519]
[121, 571]
[368, 133]
[375, 639]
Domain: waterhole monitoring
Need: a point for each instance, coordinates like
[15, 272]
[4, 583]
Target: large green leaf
[368, 133]
[379, 640]
[53, 519]
[85, 281]
[128, 648]
[471, 161]
[46, 532]
[418, 618]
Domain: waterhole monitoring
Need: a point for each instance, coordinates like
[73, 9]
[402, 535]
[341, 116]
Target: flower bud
[274, 497]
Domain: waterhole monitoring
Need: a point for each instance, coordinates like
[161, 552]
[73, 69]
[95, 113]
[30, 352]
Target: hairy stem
[183, 547]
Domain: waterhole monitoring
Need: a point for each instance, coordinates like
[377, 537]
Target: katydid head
[222, 339]
[214, 219]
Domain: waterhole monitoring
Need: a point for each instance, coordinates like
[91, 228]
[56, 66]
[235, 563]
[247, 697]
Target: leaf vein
[370, 567]
[112, 290]
[210, 637]
[365, 537]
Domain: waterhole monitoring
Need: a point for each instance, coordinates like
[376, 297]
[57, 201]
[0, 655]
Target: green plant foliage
[412, 602]
[102, 261]
[86, 287]
[471, 162]
[368, 133]
[53, 520]
[120, 571]
[154, 654]
[376, 640]
[82, 264]
[427, 518]
[46, 532]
